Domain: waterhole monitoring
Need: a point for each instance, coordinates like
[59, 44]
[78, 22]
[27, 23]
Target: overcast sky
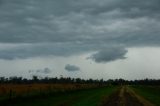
[80, 38]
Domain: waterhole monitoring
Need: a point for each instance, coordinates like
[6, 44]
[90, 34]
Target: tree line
[68, 80]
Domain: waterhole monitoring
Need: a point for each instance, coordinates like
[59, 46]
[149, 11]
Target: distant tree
[35, 78]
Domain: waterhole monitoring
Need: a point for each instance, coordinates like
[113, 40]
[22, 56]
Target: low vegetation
[150, 93]
[16, 91]
[89, 97]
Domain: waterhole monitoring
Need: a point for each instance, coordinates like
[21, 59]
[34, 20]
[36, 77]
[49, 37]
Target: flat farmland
[79, 95]
[150, 93]
[25, 88]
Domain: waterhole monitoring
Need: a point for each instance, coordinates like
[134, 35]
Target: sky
[80, 38]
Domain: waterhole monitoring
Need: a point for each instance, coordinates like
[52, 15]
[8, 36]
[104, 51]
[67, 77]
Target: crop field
[59, 95]
[78, 95]
[10, 91]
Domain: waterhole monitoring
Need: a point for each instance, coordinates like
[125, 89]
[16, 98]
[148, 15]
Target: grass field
[150, 93]
[53, 94]
[85, 97]
[80, 95]
[10, 91]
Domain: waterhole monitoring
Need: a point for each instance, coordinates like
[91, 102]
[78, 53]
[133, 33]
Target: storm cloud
[37, 34]
[108, 55]
[71, 68]
[32, 28]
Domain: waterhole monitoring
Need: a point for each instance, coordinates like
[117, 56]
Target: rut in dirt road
[125, 97]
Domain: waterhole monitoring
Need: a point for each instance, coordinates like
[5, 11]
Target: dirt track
[126, 97]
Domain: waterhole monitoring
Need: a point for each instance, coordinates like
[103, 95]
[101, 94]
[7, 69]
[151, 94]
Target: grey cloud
[23, 51]
[69, 67]
[41, 71]
[65, 28]
[127, 8]
[107, 55]
[45, 71]
[27, 22]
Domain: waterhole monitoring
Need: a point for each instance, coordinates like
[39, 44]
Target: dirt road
[126, 97]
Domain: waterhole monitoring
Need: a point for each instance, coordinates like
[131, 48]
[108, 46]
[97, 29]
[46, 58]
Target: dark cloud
[128, 8]
[107, 55]
[27, 22]
[70, 68]
[44, 71]
[41, 71]
[23, 51]
[63, 28]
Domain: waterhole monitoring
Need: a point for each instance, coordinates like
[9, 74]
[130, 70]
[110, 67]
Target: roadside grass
[150, 93]
[88, 97]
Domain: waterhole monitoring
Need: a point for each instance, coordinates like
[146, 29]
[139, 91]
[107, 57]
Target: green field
[90, 97]
[150, 93]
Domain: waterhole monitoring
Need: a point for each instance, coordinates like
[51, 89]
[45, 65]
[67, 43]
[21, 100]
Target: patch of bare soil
[125, 97]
